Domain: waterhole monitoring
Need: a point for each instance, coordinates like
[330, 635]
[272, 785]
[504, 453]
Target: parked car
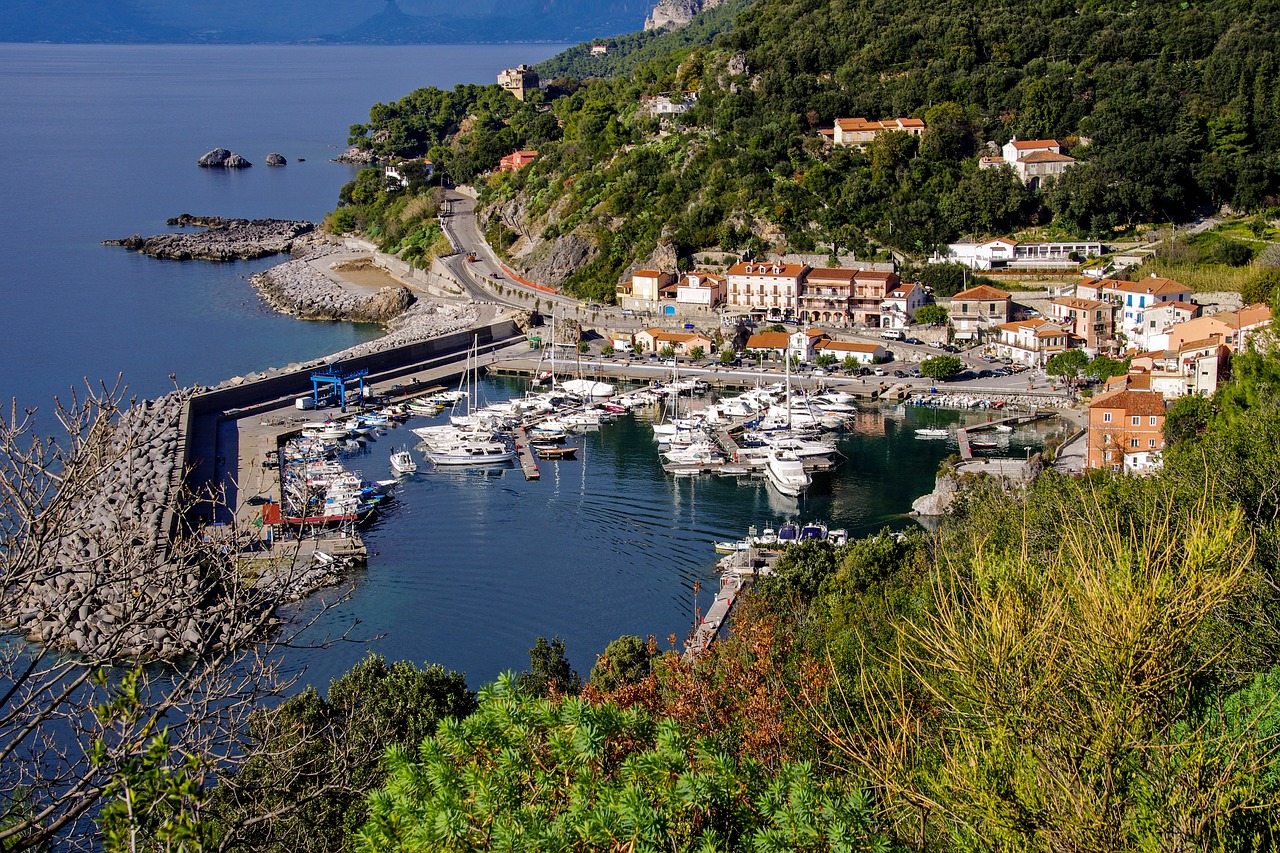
[901, 374]
[864, 371]
[879, 371]
[916, 341]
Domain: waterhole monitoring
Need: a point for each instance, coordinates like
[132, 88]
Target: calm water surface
[101, 141]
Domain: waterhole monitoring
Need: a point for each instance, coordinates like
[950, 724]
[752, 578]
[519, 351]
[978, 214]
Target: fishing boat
[732, 547]
[983, 444]
[554, 451]
[402, 462]
[932, 432]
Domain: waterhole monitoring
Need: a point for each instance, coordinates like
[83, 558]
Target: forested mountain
[1169, 108]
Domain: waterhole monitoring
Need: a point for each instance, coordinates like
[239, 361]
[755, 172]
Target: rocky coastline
[223, 239]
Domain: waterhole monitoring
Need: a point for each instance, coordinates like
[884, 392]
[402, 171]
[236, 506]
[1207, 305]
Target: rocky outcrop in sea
[222, 158]
[274, 159]
[357, 156]
[222, 239]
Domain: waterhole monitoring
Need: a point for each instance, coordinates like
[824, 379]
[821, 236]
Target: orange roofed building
[859, 132]
[1126, 431]
[517, 160]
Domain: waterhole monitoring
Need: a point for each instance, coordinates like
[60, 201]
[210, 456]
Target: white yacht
[402, 462]
[786, 472]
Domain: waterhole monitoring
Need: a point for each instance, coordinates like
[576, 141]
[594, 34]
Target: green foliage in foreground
[524, 774]
[933, 315]
[313, 759]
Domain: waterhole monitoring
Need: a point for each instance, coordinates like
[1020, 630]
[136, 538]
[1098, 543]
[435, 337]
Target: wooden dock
[731, 584]
[962, 435]
[528, 464]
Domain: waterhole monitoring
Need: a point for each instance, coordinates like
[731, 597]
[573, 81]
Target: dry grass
[1203, 277]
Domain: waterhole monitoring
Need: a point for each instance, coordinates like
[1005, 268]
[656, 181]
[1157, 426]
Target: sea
[467, 568]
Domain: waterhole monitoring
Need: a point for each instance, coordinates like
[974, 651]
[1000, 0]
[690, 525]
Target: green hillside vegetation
[1169, 108]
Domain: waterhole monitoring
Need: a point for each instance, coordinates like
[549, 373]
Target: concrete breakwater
[222, 239]
[107, 585]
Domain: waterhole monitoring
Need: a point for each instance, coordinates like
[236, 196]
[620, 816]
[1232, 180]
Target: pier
[962, 434]
[528, 464]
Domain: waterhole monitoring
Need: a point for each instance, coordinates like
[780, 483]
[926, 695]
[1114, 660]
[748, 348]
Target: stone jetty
[110, 587]
[222, 239]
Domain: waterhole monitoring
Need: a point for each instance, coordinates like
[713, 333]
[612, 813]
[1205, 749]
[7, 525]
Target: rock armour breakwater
[222, 239]
[110, 587]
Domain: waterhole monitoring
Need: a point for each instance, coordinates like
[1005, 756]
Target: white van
[892, 334]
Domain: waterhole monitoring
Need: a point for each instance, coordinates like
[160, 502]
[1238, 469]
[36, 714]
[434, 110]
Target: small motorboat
[983, 444]
[1003, 428]
[931, 432]
[554, 451]
[402, 462]
[732, 547]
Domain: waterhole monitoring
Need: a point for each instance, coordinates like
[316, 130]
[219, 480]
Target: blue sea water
[468, 567]
[101, 141]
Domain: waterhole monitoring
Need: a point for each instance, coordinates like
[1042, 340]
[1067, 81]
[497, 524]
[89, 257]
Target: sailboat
[463, 447]
[783, 468]
[934, 431]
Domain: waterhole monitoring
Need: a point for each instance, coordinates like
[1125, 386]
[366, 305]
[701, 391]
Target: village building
[827, 296]
[599, 49]
[1002, 253]
[519, 80]
[648, 285]
[668, 104]
[860, 352]
[701, 290]
[977, 310]
[400, 173]
[769, 344]
[771, 288]
[1233, 327]
[1033, 342]
[898, 308]
[1126, 431]
[1090, 320]
[859, 133]
[1153, 333]
[1032, 160]
[517, 160]
[681, 343]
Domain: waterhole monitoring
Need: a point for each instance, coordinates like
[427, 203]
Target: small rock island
[222, 158]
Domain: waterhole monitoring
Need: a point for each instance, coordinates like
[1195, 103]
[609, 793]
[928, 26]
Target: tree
[625, 661]
[667, 351]
[72, 552]
[1262, 287]
[550, 673]
[1067, 365]
[310, 762]
[532, 774]
[697, 353]
[1103, 367]
[849, 364]
[942, 279]
[941, 367]
[933, 315]
[727, 356]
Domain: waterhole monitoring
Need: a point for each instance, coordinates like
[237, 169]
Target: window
[1151, 421]
[1135, 420]
[993, 308]
[1106, 417]
[1106, 456]
[964, 307]
[1133, 442]
[1151, 442]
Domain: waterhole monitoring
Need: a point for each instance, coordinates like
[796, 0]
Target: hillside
[1168, 111]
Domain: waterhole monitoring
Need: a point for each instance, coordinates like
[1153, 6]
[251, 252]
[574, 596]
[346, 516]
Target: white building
[1005, 253]
[900, 305]
[1032, 160]
[861, 353]
[701, 290]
